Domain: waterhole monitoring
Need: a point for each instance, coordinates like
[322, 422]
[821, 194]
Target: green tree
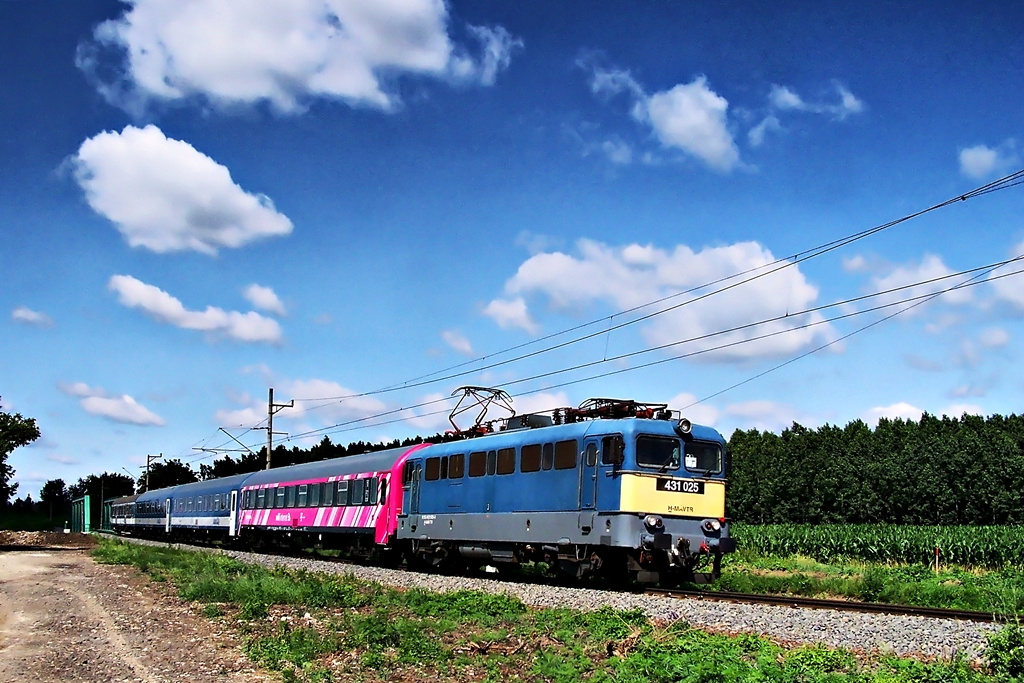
[168, 473]
[55, 498]
[15, 431]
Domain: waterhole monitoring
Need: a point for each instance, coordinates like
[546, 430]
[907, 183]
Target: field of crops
[971, 546]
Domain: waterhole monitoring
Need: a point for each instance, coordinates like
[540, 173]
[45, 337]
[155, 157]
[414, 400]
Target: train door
[233, 513]
[588, 474]
[167, 518]
[411, 473]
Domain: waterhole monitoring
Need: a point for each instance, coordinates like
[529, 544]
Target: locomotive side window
[529, 458]
[444, 467]
[547, 459]
[457, 466]
[432, 469]
[591, 454]
[506, 461]
[492, 461]
[702, 456]
[477, 464]
[612, 450]
[565, 455]
[658, 452]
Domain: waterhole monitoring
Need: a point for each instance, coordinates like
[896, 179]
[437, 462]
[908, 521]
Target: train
[613, 488]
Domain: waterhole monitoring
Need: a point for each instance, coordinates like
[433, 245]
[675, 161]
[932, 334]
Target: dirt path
[65, 618]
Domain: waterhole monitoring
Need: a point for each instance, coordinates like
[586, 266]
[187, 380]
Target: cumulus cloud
[689, 116]
[27, 316]
[244, 327]
[692, 117]
[283, 52]
[264, 299]
[994, 338]
[458, 342]
[511, 313]
[896, 411]
[981, 161]
[784, 98]
[770, 124]
[165, 196]
[123, 408]
[697, 413]
[632, 275]
[930, 268]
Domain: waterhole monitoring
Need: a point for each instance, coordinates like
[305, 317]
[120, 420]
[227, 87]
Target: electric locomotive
[614, 488]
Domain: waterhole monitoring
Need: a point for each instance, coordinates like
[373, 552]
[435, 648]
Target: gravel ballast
[919, 637]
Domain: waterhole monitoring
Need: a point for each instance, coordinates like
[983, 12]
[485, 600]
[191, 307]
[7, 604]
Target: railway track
[834, 605]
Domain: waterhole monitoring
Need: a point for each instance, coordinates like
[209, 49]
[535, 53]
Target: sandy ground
[65, 618]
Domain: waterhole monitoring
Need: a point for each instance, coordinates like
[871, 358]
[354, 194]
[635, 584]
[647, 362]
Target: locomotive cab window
[658, 452]
[702, 456]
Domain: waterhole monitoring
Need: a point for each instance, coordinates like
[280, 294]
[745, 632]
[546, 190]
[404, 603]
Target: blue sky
[201, 200]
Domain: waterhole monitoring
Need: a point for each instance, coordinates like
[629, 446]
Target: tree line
[967, 470]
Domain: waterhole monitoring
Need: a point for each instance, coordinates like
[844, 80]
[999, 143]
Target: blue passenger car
[205, 508]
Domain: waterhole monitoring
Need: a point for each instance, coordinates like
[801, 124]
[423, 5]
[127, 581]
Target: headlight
[653, 522]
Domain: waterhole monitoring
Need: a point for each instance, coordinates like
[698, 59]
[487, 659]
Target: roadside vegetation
[314, 627]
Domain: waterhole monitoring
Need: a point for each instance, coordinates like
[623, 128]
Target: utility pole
[149, 459]
[273, 408]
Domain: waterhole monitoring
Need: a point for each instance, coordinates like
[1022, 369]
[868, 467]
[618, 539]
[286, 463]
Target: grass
[321, 628]
[984, 590]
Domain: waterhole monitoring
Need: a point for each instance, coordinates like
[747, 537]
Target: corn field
[970, 546]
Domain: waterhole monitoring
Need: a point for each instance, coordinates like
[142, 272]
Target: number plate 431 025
[680, 486]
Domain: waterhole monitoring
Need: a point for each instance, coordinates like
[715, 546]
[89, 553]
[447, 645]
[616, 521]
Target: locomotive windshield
[659, 452]
[702, 456]
[663, 454]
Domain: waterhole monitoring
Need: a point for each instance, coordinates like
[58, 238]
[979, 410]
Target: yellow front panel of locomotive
[640, 494]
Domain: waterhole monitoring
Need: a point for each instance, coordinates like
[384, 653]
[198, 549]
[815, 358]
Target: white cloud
[318, 402]
[165, 196]
[618, 152]
[756, 134]
[900, 410]
[283, 52]
[697, 413]
[63, 459]
[765, 415]
[264, 299]
[994, 338]
[784, 98]
[510, 313]
[123, 408]
[539, 402]
[625, 277]
[689, 117]
[855, 264]
[929, 268]
[692, 117]
[245, 327]
[458, 342]
[27, 316]
[1008, 289]
[957, 410]
[982, 161]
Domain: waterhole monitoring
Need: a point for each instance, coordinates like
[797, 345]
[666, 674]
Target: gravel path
[918, 637]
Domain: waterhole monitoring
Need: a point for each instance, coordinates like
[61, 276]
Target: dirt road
[65, 618]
